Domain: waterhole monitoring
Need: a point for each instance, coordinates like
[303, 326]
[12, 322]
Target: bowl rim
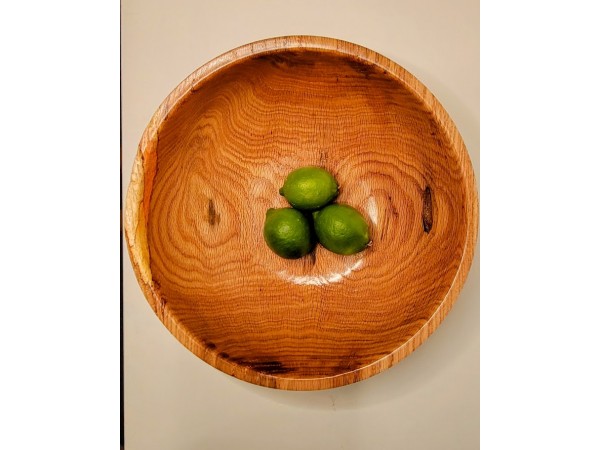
[138, 195]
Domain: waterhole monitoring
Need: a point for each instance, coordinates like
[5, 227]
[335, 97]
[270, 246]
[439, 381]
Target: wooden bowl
[210, 164]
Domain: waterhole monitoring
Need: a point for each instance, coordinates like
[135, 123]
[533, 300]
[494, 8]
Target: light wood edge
[144, 170]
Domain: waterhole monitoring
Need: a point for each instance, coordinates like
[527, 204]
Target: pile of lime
[292, 232]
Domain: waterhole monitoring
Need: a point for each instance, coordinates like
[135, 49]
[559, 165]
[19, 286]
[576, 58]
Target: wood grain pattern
[210, 164]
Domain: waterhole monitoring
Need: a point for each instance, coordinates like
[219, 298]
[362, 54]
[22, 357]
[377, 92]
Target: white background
[173, 400]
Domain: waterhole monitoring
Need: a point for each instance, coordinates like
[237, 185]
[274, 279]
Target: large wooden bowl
[210, 164]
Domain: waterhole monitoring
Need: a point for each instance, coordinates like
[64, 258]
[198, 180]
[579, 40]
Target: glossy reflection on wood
[210, 164]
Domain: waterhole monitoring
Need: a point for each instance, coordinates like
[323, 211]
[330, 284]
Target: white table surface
[175, 401]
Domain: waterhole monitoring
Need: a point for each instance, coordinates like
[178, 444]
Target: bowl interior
[221, 156]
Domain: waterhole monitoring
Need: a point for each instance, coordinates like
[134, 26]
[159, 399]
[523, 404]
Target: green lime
[341, 229]
[309, 188]
[287, 232]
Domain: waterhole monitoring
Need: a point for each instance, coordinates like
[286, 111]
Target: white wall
[175, 401]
